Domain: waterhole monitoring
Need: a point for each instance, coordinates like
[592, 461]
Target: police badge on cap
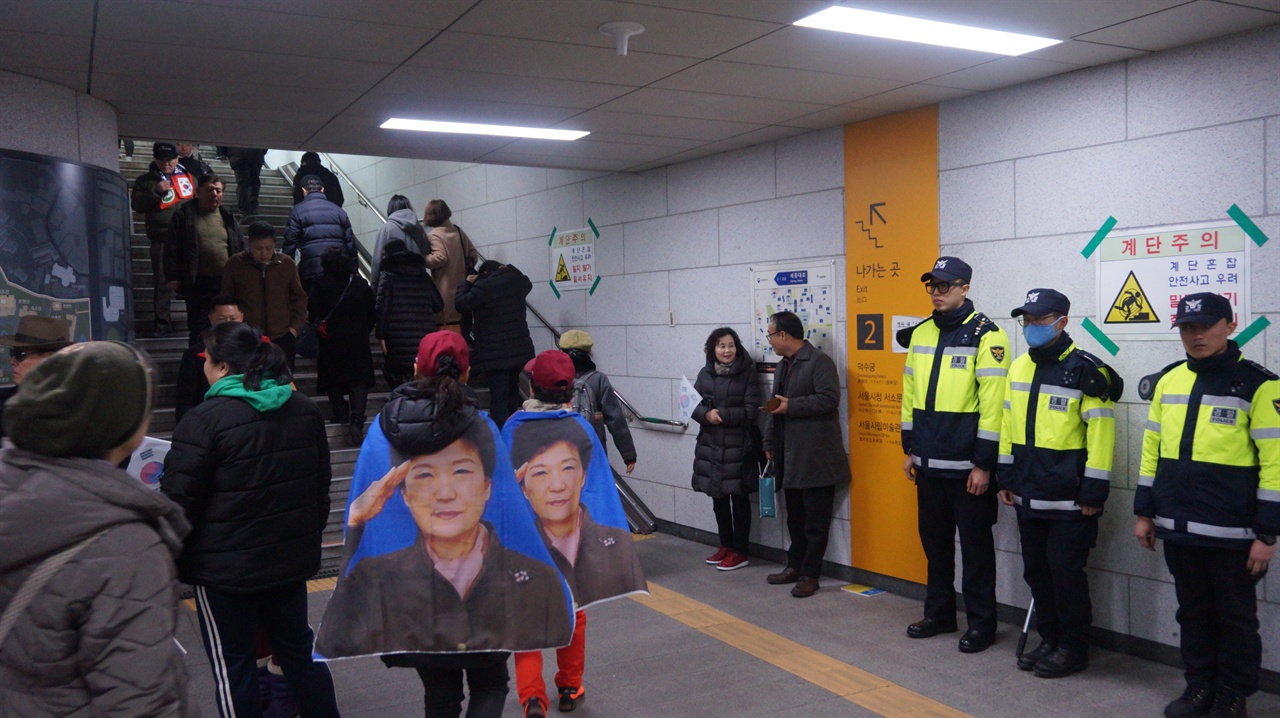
[1203, 308]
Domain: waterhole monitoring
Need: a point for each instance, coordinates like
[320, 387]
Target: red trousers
[570, 663]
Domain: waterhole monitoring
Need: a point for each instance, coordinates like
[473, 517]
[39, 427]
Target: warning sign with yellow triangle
[1131, 305]
[562, 271]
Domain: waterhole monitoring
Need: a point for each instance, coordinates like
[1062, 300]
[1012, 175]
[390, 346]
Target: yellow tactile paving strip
[853, 684]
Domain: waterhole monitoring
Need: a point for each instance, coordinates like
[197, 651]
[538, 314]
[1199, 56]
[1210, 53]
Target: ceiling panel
[834, 116]
[433, 83]
[1184, 24]
[77, 81]
[589, 148]
[707, 106]
[1002, 72]
[375, 108]
[667, 31]
[906, 98]
[347, 136]
[66, 17]
[1273, 5]
[54, 52]
[1081, 52]
[557, 161]
[233, 28]
[838, 52]
[776, 83]
[689, 128]
[532, 58]
[777, 11]
[230, 96]
[435, 14]
[128, 57]
[245, 132]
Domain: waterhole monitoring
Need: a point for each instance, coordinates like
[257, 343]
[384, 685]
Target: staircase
[275, 202]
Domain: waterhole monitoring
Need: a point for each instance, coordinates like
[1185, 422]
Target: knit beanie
[82, 401]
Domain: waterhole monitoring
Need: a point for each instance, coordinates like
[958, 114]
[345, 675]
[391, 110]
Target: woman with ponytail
[250, 467]
[445, 570]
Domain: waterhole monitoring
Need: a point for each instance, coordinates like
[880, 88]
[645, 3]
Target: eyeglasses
[940, 287]
[20, 355]
[770, 335]
[1046, 320]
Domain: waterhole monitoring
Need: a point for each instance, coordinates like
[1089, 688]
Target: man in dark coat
[192, 384]
[35, 339]
[157, 195]
[495, 296]
[247, 164]
[315, 225]
[310, 167]
[202, 235]
[802, 437]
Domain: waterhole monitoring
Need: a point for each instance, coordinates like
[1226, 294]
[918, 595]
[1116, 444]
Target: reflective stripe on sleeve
[1099, 474]
[1153, 426]
[1234, 402]
[1098, 413]
[1052, 505]
[915, 460]
[1008, 405]
[945, 464]
[1005, 459]
[1146, 480]
[907, 425]
[995, 371]
[1268, 495]
[1163, 523]
[988, 435]
[1175, 399]
[1020, 385]
[909, 371]
[1256, 434]
[1227, 532]
[922, 349]
[1054, 390]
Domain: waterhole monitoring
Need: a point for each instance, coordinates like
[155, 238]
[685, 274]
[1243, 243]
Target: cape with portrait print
[396, 595]
[564, 473]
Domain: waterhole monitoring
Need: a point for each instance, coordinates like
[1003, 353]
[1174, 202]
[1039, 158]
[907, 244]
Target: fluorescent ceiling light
[930, 32]
[469, 128]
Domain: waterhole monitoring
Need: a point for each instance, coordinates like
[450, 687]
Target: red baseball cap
[438, 344]
[552, 369]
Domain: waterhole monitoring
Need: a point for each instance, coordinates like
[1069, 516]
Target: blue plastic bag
[768, 493]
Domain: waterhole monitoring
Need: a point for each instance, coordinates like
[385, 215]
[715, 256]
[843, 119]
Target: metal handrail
[367, 256]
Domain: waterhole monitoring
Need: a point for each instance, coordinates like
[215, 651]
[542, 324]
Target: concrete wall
[48, 119]
[1029, 173]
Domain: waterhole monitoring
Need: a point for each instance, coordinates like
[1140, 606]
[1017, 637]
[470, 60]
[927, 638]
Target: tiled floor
[661, 657]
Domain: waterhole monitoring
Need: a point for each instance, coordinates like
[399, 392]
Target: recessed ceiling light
[469, 128]
[931, 32]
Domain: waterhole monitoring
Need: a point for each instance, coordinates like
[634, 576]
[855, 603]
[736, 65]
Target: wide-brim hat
[41, 333]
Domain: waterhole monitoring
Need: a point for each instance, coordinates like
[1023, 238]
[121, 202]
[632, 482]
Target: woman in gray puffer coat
[726, 459]
[401, 224]
[97, 638]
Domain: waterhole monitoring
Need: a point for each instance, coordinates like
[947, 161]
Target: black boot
[355, 430]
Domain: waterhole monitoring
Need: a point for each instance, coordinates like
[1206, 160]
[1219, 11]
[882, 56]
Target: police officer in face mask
[1209, 487]
[1057, 440]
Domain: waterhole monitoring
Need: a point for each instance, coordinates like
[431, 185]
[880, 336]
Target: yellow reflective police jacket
[1211, 453]
[952, 393]
[1057, 442]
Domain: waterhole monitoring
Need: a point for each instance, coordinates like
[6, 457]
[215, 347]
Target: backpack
[585, 401]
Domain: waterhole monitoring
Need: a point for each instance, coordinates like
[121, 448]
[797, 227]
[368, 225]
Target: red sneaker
[718, 556]
[732, 561]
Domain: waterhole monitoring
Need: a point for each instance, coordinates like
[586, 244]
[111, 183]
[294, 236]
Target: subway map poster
[64, 246]
[806, 289]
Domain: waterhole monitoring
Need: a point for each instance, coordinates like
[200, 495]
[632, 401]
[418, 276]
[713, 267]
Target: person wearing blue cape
[564, 472]
[442, 555]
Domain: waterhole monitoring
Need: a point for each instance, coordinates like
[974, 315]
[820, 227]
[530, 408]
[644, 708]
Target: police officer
[952, 392]
[1209, 487]
[1056, 448]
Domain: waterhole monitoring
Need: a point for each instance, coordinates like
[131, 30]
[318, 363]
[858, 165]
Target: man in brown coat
[269, 289]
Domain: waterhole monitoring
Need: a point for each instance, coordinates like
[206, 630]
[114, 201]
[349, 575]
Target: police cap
[1042, 302]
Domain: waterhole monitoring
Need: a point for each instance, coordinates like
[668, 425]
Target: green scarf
[270, 397]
